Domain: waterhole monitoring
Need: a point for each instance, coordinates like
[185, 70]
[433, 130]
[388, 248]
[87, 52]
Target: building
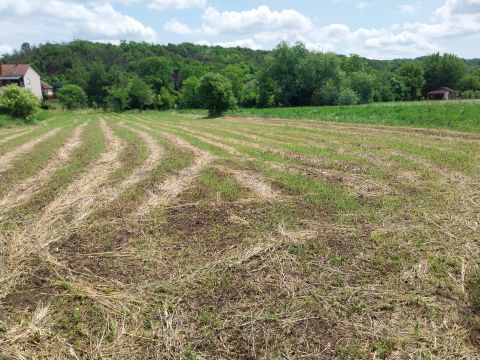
[23, 75]
[47, 90]
[444, 93]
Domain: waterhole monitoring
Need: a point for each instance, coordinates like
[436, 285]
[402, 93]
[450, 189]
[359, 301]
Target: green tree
[18, 102]
[117, 99]
[96, 84]
[236, 74]
[470, 82]
[447, 70]
[189, 93]
[413, 77]
[362, 84]
[165, 99]
[140, 94]
[216, 94]
[347, 97]
[156, 71]
[72, 97]
[319, 79]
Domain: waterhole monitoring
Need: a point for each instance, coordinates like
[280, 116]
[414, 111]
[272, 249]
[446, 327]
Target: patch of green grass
[455, 115]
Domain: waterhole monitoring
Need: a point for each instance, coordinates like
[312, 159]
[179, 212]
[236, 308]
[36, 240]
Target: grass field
[461, 115]
[170, 236]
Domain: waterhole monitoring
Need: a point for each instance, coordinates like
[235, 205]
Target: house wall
[32, 82]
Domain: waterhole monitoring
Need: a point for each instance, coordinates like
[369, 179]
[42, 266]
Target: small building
[23, 75]
[47, 90]
[444, 93]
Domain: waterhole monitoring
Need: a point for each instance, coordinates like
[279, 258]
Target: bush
[348, 97]
[362, 84]
[117, 99]
[140, 94]
[470, 94]
[18, 103]
[216, 94]
[188, 94]
[72, 97]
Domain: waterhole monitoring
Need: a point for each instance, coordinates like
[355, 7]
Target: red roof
[45, 85]
[14, 70]
[441, 91]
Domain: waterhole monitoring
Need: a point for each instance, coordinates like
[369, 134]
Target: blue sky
[372, 28]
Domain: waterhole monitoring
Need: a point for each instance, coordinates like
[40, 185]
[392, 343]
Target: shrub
[348, 97]
[18, 103]
[117, 99]
[362, 84]
[72, 97]
[188, 95]
[140, 94]
[216, 94]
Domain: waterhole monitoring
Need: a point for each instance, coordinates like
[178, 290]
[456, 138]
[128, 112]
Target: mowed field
[167, 236]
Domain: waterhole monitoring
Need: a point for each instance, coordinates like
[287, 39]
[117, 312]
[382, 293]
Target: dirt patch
[7, 159]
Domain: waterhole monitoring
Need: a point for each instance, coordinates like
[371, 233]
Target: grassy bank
[8, 121]
[455, 115]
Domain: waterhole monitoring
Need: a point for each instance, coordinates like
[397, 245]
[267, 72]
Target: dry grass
[258, 239]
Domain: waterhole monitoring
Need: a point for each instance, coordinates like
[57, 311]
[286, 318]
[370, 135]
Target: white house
[23, 75]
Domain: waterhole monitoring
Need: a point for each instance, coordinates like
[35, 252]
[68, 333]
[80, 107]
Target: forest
[141, 75]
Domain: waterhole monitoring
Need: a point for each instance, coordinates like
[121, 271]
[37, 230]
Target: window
[28, 82]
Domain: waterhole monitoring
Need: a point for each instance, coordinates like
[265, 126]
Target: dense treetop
[167, 75]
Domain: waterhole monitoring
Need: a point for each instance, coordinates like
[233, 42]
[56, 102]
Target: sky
[372, 28]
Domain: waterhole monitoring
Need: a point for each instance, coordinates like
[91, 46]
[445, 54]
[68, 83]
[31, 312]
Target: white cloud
[409, 9]
[176, 4]
[244, 43]
[176, 27]
[455, 18]
[258, 20]
[57, 20]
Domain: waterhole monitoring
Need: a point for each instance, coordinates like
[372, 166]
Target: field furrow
[66, 211]
[24, 190]
[7, 159]
[157, 235]
[167, 191]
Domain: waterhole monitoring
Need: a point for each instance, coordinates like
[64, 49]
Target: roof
[9, 71]
[45, 85]
[441, 91]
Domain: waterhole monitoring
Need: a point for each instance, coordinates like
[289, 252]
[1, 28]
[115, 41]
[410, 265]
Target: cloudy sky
[381, 29]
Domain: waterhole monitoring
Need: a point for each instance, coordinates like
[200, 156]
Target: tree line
[139, 75]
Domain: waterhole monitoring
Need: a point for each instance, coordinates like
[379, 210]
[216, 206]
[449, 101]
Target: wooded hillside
[165, 75]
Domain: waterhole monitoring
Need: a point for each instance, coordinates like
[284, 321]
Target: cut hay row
[253, 182]
[24, 190]
[167, 191]
[14, 134]
[66, 211]
[420, 133]
[7, 159]
[260, 250]
[156, 153]
[361, 186]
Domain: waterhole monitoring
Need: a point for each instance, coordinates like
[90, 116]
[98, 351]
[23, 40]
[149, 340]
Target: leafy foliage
[216, 94]
[18, 102]
[72, 97]
[286, 76]
[140, 93]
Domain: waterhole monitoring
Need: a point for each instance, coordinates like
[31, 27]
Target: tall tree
[413, 77]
